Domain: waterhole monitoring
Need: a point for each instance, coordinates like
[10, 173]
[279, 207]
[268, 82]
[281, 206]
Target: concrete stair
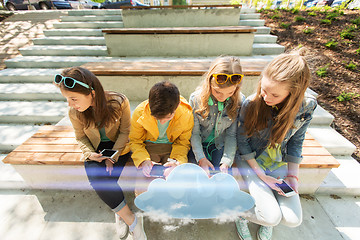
[29, 98]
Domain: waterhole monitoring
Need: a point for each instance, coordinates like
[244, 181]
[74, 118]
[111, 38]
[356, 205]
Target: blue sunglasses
[69, 82]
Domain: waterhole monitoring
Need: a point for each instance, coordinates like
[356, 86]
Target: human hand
[206, 164]
[271, 182]
[146, 167]
[293, 183]
[98, 157]
[109, 166]
[224, 168]
[170, 165]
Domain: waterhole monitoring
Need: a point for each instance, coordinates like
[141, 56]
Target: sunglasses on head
[69, 82]
[222, 78]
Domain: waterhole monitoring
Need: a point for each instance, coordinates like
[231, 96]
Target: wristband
[293, 176]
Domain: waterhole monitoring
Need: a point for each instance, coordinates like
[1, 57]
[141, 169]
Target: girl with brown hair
[101, 120]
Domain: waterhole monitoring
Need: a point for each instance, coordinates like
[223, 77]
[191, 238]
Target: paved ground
[74, 215]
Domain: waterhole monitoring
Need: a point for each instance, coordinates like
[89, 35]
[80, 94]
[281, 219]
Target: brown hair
[222, 64]
[164, 98]
[293, 70]
[106, 109]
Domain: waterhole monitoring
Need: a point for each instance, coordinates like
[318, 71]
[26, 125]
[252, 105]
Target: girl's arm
[124, 128]
[270, 181]
[229, 145]
[292, 177]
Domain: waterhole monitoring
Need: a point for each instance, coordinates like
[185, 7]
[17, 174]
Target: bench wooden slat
[56, 145]
[37, 158]
[165, 68]
[181, 30]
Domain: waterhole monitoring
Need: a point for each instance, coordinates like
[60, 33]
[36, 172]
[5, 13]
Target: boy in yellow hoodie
[160, 129]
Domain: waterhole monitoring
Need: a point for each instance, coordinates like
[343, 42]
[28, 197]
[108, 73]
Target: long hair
[223, 64]
[105, 110]
[292, 70]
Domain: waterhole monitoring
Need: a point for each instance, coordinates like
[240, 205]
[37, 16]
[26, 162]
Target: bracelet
[293, 176]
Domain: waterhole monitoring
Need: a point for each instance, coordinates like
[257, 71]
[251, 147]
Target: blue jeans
[213, 154]
[106, 186]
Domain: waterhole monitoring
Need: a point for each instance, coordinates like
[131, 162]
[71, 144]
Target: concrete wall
[179, 45]
[137, 88]
[180, 17]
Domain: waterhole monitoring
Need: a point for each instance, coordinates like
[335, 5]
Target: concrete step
[247, 10]
[267, 49]
[29, 92]
[248, 16]
[264, 38]
[61, 62]
[98, 12]
[252, 22]
[333, 141]
[321, 117]
[73, 32]
[344, 180]
[26, 75]
[91, 18]
[70, 41]
[88, 25]
[34, 112]
[262, 30]
[13, 135]
[64, 50]
[9, 178]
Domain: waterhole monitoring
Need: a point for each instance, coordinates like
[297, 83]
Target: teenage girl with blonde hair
[101, 120]
[272, 128]
[216, 104]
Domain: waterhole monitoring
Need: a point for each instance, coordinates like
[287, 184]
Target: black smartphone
[157, 170]
[286, 189]
[108, 153]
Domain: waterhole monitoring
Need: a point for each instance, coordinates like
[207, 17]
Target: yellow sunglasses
[222, 78]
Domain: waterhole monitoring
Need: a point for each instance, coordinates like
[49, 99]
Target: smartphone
[157, 170]
[286, 189]
[213, 172]
[109, 153]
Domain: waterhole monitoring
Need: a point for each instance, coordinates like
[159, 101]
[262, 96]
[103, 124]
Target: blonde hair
[222, 64]
[293, 70]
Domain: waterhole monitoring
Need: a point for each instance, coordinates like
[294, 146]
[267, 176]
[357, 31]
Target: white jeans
[270, 208]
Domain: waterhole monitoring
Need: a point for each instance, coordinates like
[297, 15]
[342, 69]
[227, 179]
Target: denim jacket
[291, 147]
[225, 131]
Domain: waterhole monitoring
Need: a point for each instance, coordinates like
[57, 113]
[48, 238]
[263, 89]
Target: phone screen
[157, 170]
[108, 152]
[284, 187]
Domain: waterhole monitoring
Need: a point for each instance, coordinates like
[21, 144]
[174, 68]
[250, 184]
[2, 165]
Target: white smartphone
[286, 189]
[109, 153]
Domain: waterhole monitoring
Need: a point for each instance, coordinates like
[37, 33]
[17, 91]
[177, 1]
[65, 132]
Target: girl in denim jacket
[271, 131]
[216, 104]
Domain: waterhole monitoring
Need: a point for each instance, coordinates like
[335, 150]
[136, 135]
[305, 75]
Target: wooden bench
[198, 6]
[135, 77]
[51, 158]
[179, 41]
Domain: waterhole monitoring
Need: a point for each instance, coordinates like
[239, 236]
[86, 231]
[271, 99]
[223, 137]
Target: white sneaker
[243, 229]
[139, 233]
[121, 227]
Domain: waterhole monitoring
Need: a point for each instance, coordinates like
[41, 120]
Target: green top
[162, 133]
[271, 158]
[103, 137]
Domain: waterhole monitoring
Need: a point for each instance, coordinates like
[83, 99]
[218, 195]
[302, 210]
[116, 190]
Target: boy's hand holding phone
[146, 167]
[170, 165]
[98, 157]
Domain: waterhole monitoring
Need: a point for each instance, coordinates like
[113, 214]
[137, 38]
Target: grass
[299, 19]
[308, 30]
[323, 71]
[325, 21]
[347, 96]
[331, 44]
[351, 66]
[285, 25]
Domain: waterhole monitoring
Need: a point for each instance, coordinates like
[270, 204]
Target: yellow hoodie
[144, 127]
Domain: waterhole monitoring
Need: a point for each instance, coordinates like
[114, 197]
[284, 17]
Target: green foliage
[332, 16]
[179, 2]
[348, 33]
[285, 25]
[299, 19]
[235, 2]
[275, 16]
[295, 10]
[358, 51]
[308, 30]
[312, 14]
[356, 21]
[351, 66]
[325, 21]
[323, 71]
[347, 96]
[331, 44]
